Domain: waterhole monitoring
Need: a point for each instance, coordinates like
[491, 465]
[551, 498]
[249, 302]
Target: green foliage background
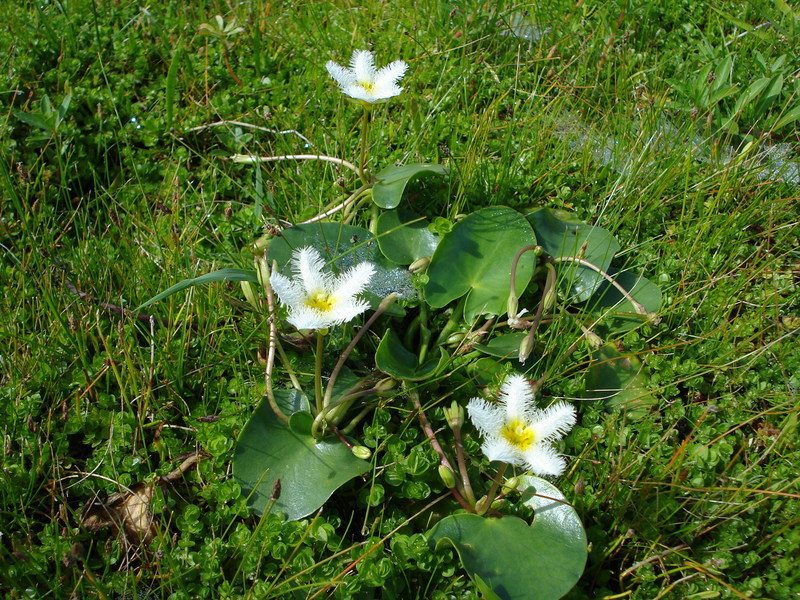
[599, 108]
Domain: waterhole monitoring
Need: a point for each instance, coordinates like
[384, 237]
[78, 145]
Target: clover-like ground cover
[669, 124]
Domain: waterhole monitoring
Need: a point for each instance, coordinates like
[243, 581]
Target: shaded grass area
[573, 107]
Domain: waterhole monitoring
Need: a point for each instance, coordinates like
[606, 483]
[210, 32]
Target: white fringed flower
[365, 83]
[518, 433]
[318, 300]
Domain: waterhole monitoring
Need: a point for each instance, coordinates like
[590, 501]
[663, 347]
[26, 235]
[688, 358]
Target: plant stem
[490, 497]
[549, 286]
[636, 306]
[318, 371]
[273, 343]
[385, 303]
[462, 466]
[458, 491]
[248, 159]
[362, 165]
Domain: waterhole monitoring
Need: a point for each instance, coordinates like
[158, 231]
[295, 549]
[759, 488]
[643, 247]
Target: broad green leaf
[213, 277]
[342, 245]
[309, 469]
[393, 359]
[562, 235]
[618, 312]
[475, 258]
[392, 181]
[403, 236]
[620, 381]
[517, 561]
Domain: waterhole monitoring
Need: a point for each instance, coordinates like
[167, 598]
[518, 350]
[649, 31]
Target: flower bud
[512, 306]
[250, 294]
[525, 348]
[549, 299]
[419, 265]
[448, 478]
[262, 271]
[594, 340]
[361, 452]
[510, 485]
[482, 505]
[384, 385]
[454, 339]
[499, 503]
[454, 415]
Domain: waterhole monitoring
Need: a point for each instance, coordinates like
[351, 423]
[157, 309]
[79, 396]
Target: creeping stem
[273, 342]
[636, 306]
[248, 159]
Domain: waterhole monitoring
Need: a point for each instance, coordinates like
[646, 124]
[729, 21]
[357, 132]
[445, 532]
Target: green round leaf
[475, 258]
[392, 181]
[310, 470]
[561, 235]
[393, 359]
[517, 561]
[403, 236]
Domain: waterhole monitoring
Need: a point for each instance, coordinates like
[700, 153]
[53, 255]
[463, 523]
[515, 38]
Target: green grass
[700, 499]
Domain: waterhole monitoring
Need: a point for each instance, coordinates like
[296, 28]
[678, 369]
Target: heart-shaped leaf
[563, 235]
[392, 181]
[403, 236]
[393, 359]
[309, 469]
[517, 561]
[620, 381]
[475, 258]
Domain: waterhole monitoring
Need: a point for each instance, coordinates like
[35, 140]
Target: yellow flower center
[367, 85]
[518, 434]
[320, 301]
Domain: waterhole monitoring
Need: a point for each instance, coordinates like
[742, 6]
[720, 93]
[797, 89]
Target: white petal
[290, 293]
[555, 421]
[342, 75]
[517, 395]
[391, 73]
[363, 65]
[308, 266]
[384, 91]
[497, 448]
[487, 419]
[353, 282]
[304, 317]
[543, 460]
[346, 311]
[359, 93]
